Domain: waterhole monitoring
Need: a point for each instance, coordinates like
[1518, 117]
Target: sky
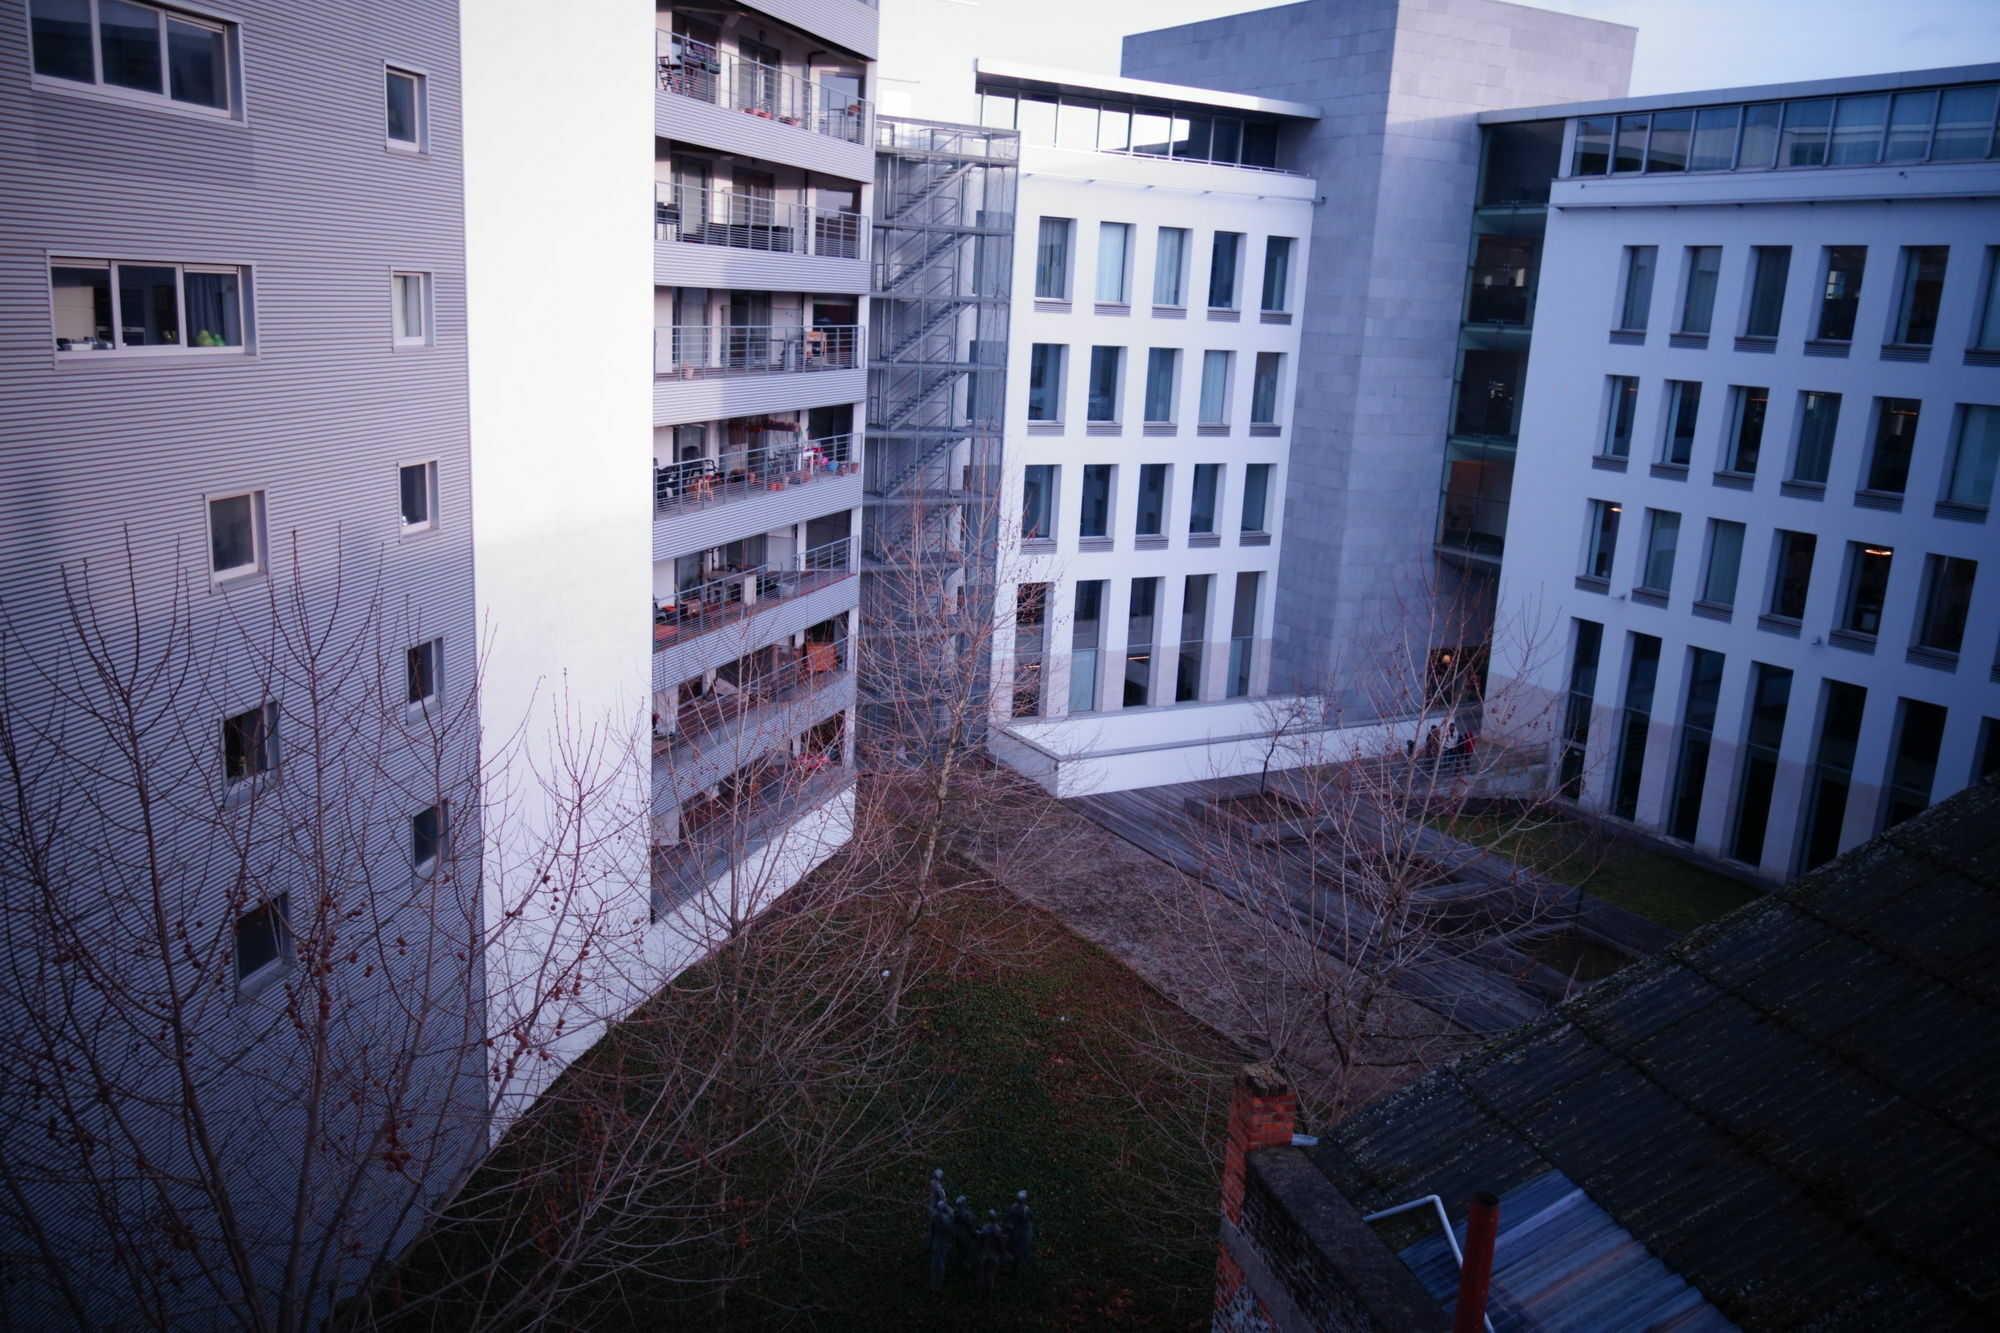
[1684, 45]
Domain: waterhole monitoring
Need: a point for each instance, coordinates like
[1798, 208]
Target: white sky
[1684, 45]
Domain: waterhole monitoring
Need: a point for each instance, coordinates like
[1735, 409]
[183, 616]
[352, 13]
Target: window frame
[1960, 435]
[1225, 358]
[1715, 546]
[1119, 274]
[1663, 541]
[262, 756]
[1637, 275]
[420, 144]
[1171, 358]
[426, 303]
[423, 661]
[1281, 249]
[1058, 262]
[431, 521]
[1860, 558]
[259, 536]
[1937, 571]
[1600, 538]
[1177, 271]
[1106, 359]
[1048, 501]
[1621, 413]
[1051, 361]
[1263, 412]
[256, 979]
[119, 349]
[229, 71]
[1909, 276]
[439, 838]
[1699, 286]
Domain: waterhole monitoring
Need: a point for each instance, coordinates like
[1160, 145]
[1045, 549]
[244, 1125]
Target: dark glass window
[1840, 294]
[1895, 435]
[1096, 514]
[1642, 672]
[1793, 577]
[1923, 288]
[1770, 266]
[262, 935]
[1152, 516]
[1770, 692]
[1591, 153]
[1746, 429]
[1947, 601]
[1867, 587]
[1819, 418]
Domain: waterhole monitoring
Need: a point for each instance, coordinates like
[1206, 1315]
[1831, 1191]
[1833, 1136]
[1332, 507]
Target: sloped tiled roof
[1797, 1108]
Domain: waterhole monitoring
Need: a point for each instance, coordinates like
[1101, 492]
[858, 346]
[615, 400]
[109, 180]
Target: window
[1974, 456]
[411, 293]
[1114, 262]
[427, 835]
[1802, 141]
[1987, 332]
[1162, 367]
[1704, 266]
[1052, 259]
[133, 48]
[1746, 427]
[418, 486]
[1770, 693]
[1215, 375]
[1045, 374]
[1683, 407]
[1095, 519]
[120, 306]
[1170, 267]
[1603, 541]
[1256, 496]
[1913, 767]
[1140, 622]
[1793, 576]
[1638, 288]
[1663, 539]
[1867, 586]
[1759, 144]
[1947, 600]
[1152, 520]
[1577, 707]
[1264, 388]
[1895, 434]
[1832, 772]
[406, 110]
[1202, 499]
[1194, 637]
[1086, 643]
[1629, 149]
[1964, 123]
[1704, 691]
[1714, 147]
[421, 665]
[1225, 257]
[1840, 292]
[1642, 674]
[1770, 266]
[1917, 300]
[236, 535]
[1277, 272]
[250, 743]
[1031, 614]
[263, 938]
[1667, 147]
[1623, 400]
[1038, 501]
[1105, 363]
[1242, 633]
[1812, 453]
[1725, 561]
[1591, 155]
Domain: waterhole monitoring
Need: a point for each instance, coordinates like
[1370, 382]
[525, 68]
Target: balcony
[766, 602]
[723, 100]
[705, 502]
[717, 735]
[720, 238]
[761, 825]
[711, 371]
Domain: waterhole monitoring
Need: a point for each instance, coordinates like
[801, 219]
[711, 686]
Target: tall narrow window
[1242, 633]
[1577, 707]
[1141, 626]
[1770, 693]
[1913, 765]
[1215, 367]
[1683, 409]
[1895, 436]
[1640, 261]
[1086, 645]
[1622, 402]
[422, 664]
[1277, 272]
[1114, 262]
[1170, 267]
[1105, 365]
[1256, 497]
[1725, 563]
[1704, 690]
[1202, 499]
[1045, 367]
[1663, 539]
[1867, 587]
[1031, 616]
[1812, 454]
[1095, 518]
[1052, 254]
[1225, 260]
[1642, 673]
[1770, 265]
[1746, 428]
[1704, 266]
[1264, 388]
[1917, 301]
[1152, 513]
[405, 110]
[1974, 457]
[418, 496]
[428, 830]
[411, 294]
[1194, 638]
[1038, 502]
[1986, 333]
[250, 743]
[1162, 369]
[1603, 544]
[1832, 772]
[1947, 601]
[1840, 292]
[1792, 578]
[263, 940]
[236, 535]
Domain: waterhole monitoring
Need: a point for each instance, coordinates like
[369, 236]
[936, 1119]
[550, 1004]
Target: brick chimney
[1263, 1111]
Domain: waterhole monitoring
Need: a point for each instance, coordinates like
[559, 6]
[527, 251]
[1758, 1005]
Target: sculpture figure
[965, 1235]
[987, 1263]
[1020, 1232]
[942, 1238]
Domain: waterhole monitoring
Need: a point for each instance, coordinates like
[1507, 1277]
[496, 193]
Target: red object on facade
[1475, 1275]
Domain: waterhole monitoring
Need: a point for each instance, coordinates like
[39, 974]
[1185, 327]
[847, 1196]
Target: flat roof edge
[1085, 81]
[1764, 92]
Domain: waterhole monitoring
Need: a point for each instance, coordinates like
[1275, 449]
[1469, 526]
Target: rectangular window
[428, 831]
[1162, 370]
[1202, 499]
[1242, 634]
[1792, 577]
[1052, 253]
[1947, 601]
[1704, 267]
[1086, 645]
[1964, 123]
[1224, 260]
[1215, 374]
[1683, 408]
[1038, 502]
[1622, 402]
[418, 485]
[1770, 267]
[1746, 427]
[236, 535]
[1867, 586]
[1663, 540]
[1812, 452]
[1913, 767]
[421, 665]
[263, 938]
[1591, 154]
[1840, 292]
[1986, 333]
[1277, 272]
[1714, 147]
[1256, 496]
[1105, 365]
[1603, 543]
[1095, 518]
[115, 305]
[1638, 287]
[1910, 118]
[1974, 456]
[1832, 772]
[1577, 707]
[411, 293]
[1917, 300]
[1152, 516]
[1725, 562]
[1045, 375]
[1704, 691]
[1194, 638]
[1629, 150]
[1140, 627]
[1264, 388]
[1759, 145]
[1895, 435]
[133, 47]
[250, 743]
[1667, 148]
[1802, 141]
[1642, 673]
[1857, 131]
[1031, 614]
[407, 110]
[1114, 262]
[1170, 267]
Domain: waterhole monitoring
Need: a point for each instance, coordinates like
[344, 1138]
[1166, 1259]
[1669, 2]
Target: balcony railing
[817, 664]
[695, 69]
[736, 594]
[696, 215]
[701, 351]
[700, 482]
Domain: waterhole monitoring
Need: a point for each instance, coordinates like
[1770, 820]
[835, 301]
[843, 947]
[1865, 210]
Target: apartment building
[1748, 588]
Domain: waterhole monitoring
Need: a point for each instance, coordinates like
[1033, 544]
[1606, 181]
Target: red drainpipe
[1482, 1226]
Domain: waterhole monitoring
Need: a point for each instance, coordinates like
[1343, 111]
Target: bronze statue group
[960, 1243]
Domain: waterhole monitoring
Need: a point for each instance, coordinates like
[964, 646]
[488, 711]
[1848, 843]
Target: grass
[1656, 885]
